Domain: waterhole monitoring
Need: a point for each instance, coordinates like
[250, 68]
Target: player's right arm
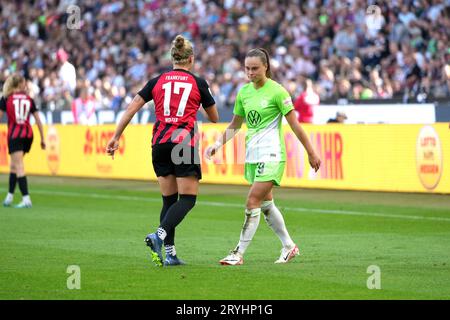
[135, 105]
[232, 129]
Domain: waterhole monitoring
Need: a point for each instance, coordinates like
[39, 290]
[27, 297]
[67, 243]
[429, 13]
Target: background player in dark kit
[18, 106]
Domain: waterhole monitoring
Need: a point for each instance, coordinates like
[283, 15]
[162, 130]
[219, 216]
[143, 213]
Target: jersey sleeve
[3, 104]
[146, 92]
[238, 107]
[207, 99]
[284, 101]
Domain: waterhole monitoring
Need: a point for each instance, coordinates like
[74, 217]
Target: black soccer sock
[168, 201]
[23, 185]
[178, 211]
[12, 182]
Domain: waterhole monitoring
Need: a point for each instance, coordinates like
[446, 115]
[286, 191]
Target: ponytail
[181, 50]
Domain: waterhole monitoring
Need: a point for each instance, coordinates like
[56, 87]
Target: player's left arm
[211, 113]
[284, 102]
[35, 113]
[208, 109]
[134, 106]
[314, 159]
[40, 127]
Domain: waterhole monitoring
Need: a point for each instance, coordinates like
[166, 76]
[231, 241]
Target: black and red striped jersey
[18, 107]
[178, 95]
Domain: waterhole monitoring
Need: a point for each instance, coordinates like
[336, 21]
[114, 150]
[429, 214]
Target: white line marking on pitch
[235, 205]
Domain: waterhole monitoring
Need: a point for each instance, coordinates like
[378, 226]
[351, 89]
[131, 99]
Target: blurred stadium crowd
[350, 49]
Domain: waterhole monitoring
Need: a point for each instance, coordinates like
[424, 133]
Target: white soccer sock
[9, 197]
[275, 220]
[251, 223]
[161, 233]
[26, 199]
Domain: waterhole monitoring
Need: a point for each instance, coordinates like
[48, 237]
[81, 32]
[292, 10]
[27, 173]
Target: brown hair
[181, 50]
[264, 56]
[12, 83]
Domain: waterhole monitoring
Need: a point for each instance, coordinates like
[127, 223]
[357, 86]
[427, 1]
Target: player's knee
[170, 200]
[266, 206]
[19, 168]
[253, 212]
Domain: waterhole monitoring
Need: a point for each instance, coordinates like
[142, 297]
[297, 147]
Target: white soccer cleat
[288, 254]
[233, 259]
[23, 205]
[8, 200]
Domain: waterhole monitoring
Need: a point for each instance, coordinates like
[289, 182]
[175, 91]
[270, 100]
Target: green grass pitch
[100, 225]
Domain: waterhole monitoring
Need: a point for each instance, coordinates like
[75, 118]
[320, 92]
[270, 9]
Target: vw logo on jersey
[253, 118]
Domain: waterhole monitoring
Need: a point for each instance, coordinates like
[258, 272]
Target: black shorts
[179, 160]
[19, 144]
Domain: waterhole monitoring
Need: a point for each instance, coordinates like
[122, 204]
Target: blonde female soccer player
[178, 95]
[262, 103]
[18, 106]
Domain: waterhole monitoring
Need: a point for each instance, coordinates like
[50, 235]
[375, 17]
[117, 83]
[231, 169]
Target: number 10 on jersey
[21, 109]
[176, 90]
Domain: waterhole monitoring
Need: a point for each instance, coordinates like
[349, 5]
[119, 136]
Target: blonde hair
[181, 50]
[12, 83]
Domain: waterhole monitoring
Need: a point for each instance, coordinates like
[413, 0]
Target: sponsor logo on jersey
[253, 118]
[287, 101]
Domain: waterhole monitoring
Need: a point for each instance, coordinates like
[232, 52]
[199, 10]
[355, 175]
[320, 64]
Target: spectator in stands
[413, 77]
[305, 103]
[340, 118]
[83, 109]
[130, 38]
[343, 89]
[67, 73]
[346, 42]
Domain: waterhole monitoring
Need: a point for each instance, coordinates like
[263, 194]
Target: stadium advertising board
[378, 157]
[378, 113]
